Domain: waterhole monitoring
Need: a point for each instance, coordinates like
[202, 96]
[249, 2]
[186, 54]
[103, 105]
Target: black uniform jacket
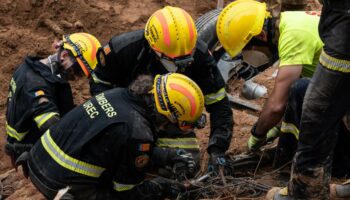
[31, 82]
[106, 142]
[128, 55]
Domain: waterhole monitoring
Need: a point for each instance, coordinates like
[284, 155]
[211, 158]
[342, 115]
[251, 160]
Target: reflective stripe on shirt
[41, 119]
[334, 64]
[215, 97]
[119, 187]
[19, 136]
[183, 143]
[67, 161]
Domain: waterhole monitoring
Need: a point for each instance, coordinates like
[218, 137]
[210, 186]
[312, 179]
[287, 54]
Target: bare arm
[275, 105]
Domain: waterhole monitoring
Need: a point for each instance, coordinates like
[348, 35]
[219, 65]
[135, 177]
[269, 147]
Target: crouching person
[103, 148]
[40, 94]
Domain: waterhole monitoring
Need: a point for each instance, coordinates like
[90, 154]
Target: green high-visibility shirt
[299, 42]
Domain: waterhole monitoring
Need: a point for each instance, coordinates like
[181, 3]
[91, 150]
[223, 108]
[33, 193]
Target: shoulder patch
[141, 161]
[39, 93]
[143, 147]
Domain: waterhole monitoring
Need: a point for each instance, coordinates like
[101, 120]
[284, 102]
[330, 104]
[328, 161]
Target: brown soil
[28, 27]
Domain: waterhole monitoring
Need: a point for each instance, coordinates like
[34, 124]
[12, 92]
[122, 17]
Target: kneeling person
[103, 148]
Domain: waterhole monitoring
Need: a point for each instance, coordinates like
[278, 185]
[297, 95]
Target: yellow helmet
[178, 98]
[239, 22]
[84, 47]
[172, 32]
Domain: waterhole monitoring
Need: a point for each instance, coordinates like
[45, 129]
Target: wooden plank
[243, 103]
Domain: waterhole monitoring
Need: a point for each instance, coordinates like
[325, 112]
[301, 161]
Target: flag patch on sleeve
[144, 147]
[39, 93]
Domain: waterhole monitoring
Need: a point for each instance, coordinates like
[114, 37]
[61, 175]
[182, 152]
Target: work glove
[166, 188]
[256, 141]
[217, 161]
[182, 162]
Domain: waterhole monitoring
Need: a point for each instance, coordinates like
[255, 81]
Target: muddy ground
[25, 30]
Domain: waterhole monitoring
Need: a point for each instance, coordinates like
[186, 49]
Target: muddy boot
[277, 193]
[340, 191]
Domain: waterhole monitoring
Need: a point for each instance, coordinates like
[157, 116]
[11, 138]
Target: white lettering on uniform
[105, 105]
[90, 109]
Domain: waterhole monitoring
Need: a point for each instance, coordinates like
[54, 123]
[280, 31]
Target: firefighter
[169, 44]
[39, 93]
[299, 46]
[103, 148]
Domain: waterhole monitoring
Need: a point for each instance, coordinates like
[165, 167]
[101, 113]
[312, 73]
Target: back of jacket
[33, 91]
[108, 138]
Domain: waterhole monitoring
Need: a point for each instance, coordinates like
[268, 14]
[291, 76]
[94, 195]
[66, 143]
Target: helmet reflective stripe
[171, 31]
[81, 60]
[84, 47]
[178, 98]
[165, 28]
[187, 94]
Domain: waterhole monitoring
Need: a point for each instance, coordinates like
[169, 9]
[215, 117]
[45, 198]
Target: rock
[78, 24]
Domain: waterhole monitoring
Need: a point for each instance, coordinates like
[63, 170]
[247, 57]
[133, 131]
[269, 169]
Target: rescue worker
[169, 44]
[326, 101]
[103, 148]
[39, 93]
[299, 46]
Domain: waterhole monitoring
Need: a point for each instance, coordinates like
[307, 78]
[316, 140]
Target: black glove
[217, 161]
[167, 188]
[182, 162]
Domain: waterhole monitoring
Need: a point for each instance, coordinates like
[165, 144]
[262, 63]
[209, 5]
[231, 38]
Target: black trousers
[326, 101]
[288, 140]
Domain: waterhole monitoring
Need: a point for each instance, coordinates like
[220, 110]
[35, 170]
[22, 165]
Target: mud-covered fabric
[128, 55]
[325, 104]
[334, 28]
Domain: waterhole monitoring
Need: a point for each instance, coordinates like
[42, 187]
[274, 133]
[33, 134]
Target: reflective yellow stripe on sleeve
[41, 119]
[19, 136]
[290, 128]
[183, 143]
[215, 97]
[334, 63]
[119, 187]
[67, 161]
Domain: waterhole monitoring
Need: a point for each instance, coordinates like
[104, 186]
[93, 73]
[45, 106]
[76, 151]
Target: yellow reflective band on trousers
[67, 161]
[334, 64]
[41, 119]
[119, 187]
[19, 136]
[183, 143]
[290, 128]
[215, 97]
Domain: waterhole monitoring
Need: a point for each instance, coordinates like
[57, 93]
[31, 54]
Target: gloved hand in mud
[217, 162]
[256, 141]
[182, 162]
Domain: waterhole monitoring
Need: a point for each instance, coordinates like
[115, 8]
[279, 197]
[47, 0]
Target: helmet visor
[178, 64]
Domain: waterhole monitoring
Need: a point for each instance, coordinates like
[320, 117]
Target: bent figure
[103, 148]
